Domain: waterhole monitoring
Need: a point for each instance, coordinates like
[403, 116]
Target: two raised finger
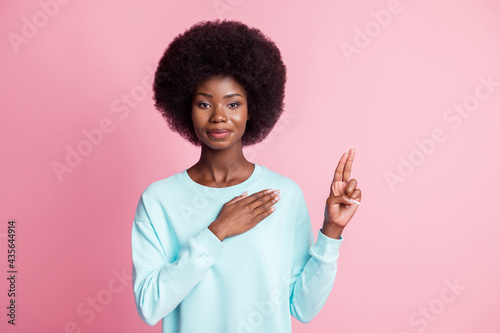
[343, 170]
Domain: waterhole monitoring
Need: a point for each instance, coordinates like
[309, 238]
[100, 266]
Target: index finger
[261, 193]
[340, 168]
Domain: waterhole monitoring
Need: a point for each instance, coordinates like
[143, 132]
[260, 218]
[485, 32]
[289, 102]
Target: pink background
[397, 84]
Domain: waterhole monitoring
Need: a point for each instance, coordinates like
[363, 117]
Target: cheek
[196, 119]
[241, 117]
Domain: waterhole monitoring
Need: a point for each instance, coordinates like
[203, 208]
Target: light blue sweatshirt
[252, 282]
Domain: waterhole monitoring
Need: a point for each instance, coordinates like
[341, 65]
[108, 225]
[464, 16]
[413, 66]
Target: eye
[235, 104]
[202, 104]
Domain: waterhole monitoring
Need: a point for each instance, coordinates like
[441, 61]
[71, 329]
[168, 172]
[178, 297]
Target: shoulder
[158, 196]
[161, 188]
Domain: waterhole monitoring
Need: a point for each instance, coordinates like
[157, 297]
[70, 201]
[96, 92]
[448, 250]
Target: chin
[219, 145]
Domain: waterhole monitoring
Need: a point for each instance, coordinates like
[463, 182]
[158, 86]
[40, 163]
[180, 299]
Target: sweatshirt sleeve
[159, 285]
[314, 266]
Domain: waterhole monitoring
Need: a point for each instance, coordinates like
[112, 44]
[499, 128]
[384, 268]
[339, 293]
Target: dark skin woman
[200, 261]
[219, 115]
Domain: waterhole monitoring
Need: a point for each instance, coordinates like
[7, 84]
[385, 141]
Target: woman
[227, 245]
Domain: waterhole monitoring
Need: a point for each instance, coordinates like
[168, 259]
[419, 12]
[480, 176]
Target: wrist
[215, 228]
[331, 230]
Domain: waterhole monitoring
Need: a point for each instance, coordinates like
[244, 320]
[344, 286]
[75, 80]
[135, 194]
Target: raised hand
[344, 196]
[242, 213]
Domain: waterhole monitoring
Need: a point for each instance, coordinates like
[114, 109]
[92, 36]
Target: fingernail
[354, 201]
[353, 147]
[277, 191]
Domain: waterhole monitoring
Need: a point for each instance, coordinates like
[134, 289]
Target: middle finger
[348, 165]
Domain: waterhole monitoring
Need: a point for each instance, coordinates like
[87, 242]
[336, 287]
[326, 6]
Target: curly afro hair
[228, 48]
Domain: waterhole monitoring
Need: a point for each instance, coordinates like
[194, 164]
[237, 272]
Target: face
[219, 112]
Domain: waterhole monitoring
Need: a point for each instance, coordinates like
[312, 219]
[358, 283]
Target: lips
[218, 131]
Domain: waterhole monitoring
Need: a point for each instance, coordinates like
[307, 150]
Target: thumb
[335, 200]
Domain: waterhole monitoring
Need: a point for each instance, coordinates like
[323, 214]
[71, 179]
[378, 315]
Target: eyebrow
[225, 96]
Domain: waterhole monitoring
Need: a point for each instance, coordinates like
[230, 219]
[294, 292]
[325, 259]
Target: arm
[314, 266]
[312, 286]
[160, 285]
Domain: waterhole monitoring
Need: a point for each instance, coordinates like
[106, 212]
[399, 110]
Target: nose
[218, 114]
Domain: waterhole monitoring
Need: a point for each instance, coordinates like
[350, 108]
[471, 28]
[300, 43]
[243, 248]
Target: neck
[222, 165]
